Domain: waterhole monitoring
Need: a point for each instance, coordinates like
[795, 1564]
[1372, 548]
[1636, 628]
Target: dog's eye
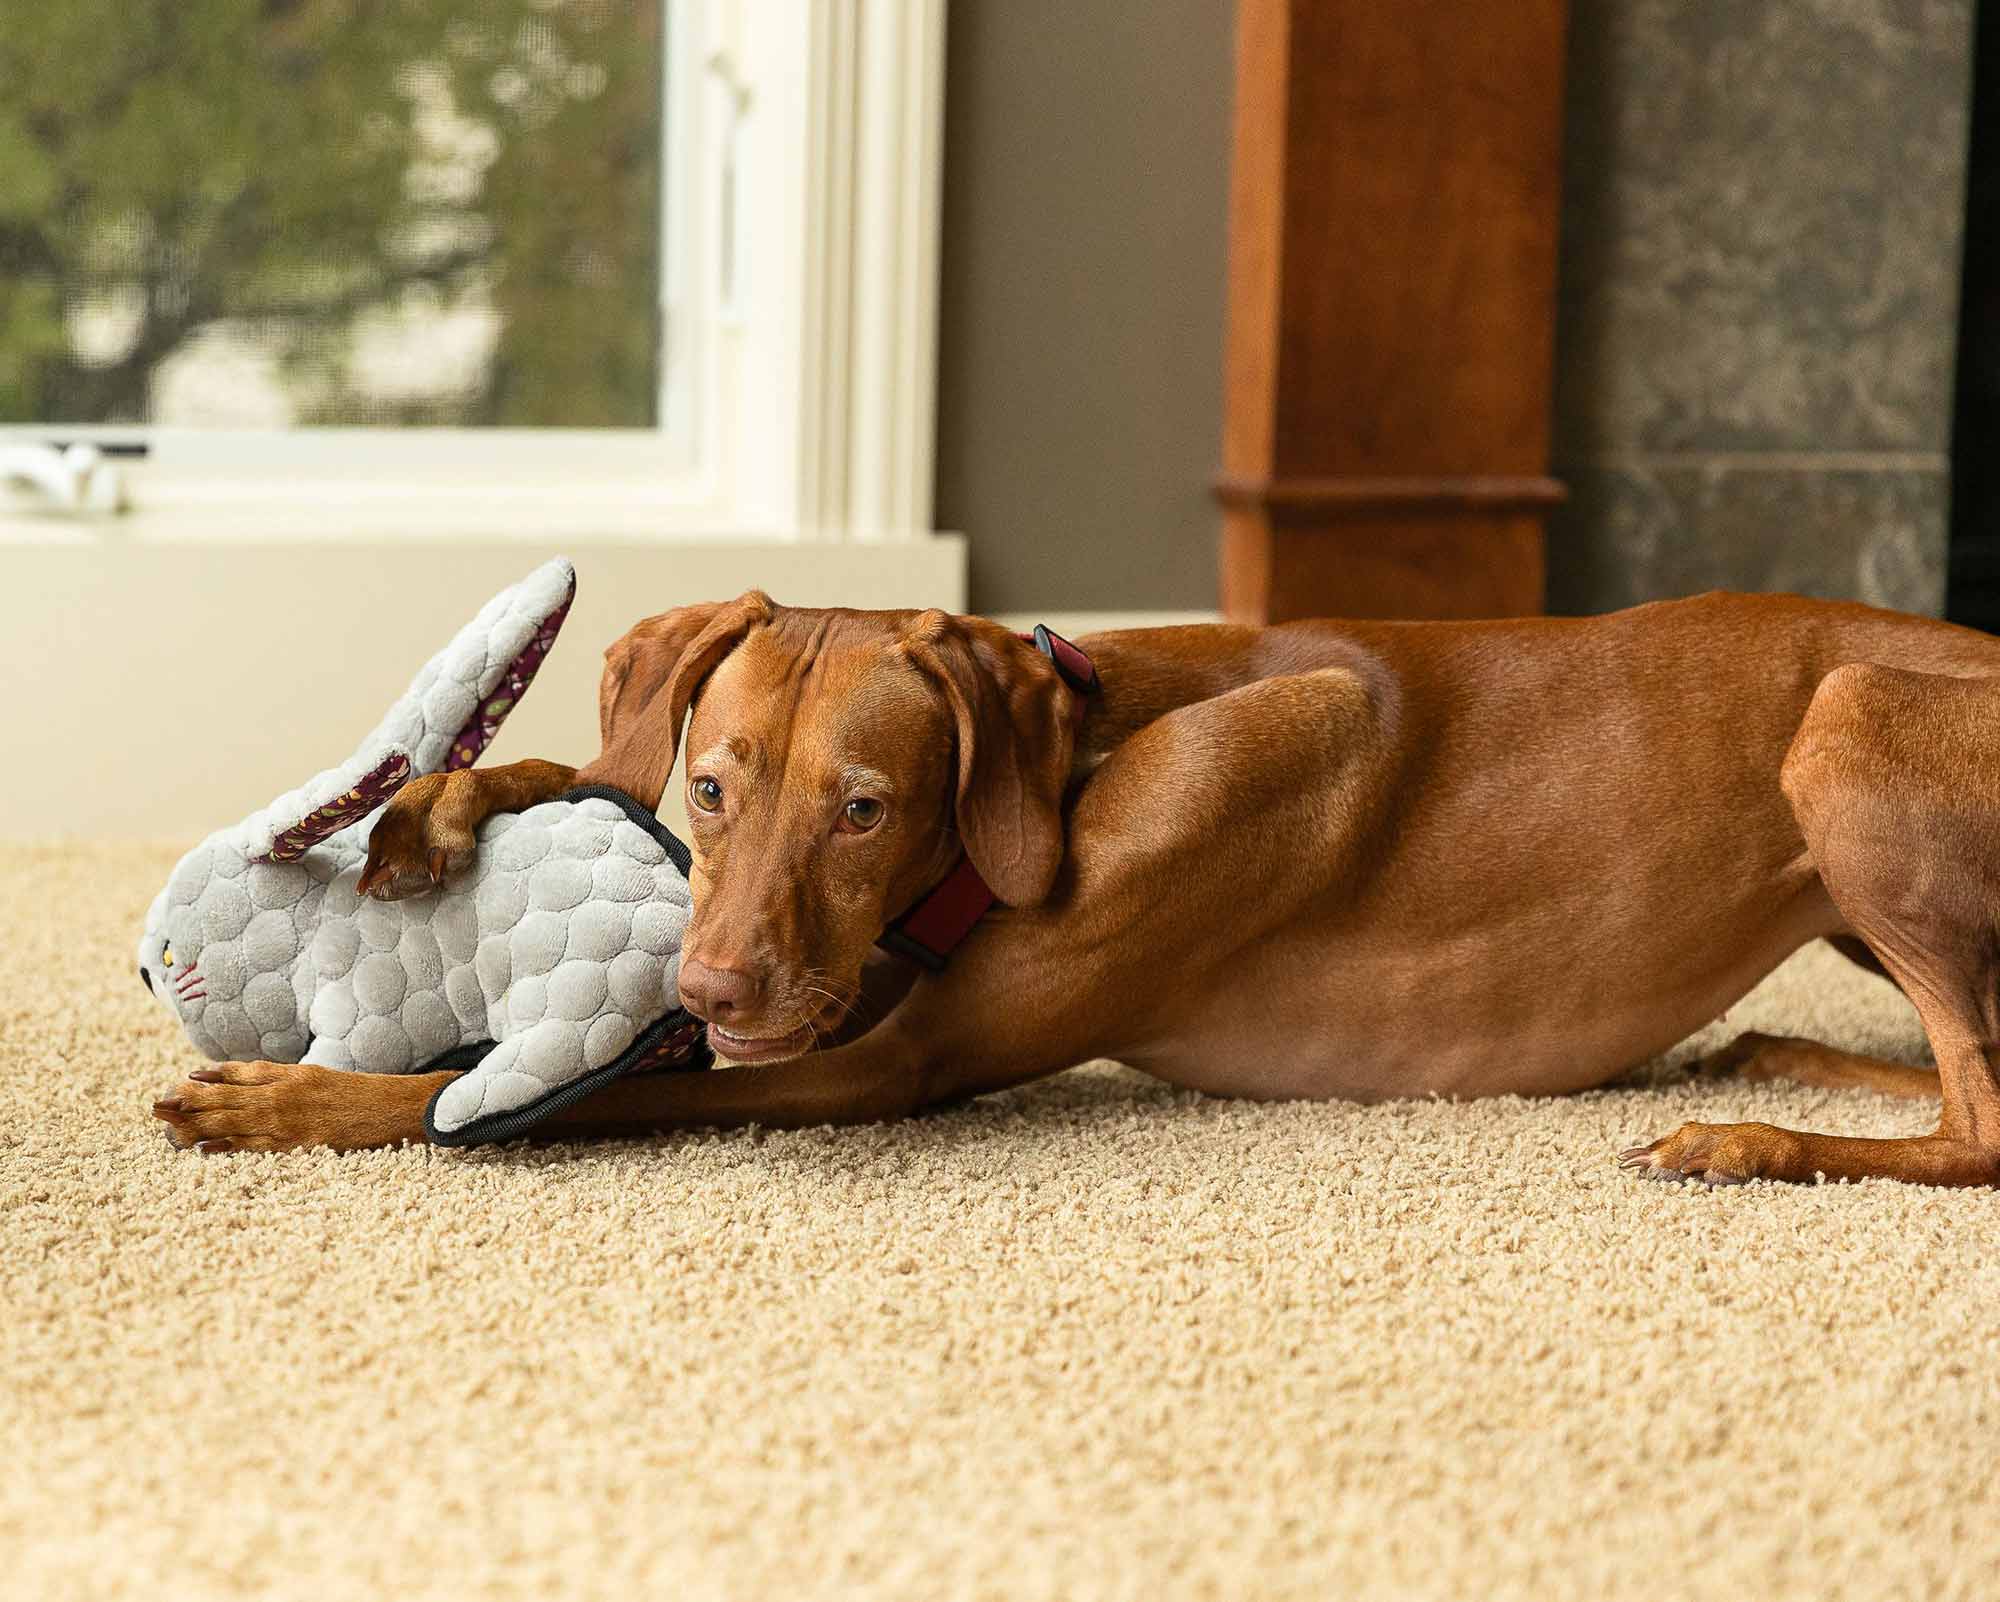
[705, 793]
[861, 814]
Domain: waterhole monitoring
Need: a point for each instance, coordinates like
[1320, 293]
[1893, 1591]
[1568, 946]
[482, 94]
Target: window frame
[797, 402]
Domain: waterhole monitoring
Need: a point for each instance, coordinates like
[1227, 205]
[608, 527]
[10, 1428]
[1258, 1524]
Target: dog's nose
[718, 994]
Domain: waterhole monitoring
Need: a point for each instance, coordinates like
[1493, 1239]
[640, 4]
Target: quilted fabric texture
[559, 944]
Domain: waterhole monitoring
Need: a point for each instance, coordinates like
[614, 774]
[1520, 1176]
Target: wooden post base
[1275, 573]
[1436, 548]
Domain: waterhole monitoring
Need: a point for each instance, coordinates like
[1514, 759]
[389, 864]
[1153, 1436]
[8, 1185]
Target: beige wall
[1085, 206]
[160, 689]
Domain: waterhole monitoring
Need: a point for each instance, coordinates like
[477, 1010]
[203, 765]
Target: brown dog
[1358, 860]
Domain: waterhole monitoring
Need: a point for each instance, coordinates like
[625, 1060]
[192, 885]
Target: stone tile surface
[1762, 214]
[1632, 534]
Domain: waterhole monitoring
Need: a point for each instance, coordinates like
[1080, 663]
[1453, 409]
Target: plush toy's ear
[650, 679]
[1011, 712]
[326, 806]
[443, 720]
[460, 697]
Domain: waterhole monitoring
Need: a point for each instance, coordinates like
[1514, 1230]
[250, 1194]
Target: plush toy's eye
[861, 814]
[705, 793]
[167, 955]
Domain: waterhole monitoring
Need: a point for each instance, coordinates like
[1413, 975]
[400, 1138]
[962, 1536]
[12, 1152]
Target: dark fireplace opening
[1973, 588]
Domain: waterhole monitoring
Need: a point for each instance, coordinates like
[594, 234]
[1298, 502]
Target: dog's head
[836, 763]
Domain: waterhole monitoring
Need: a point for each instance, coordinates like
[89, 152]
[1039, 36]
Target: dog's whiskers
[843, 1007]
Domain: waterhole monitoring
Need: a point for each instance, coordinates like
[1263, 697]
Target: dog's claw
[209, 1148]
[207, 1076]
[167, 1106]
[1640, 1160]
[1714, 1154]
[436, 863]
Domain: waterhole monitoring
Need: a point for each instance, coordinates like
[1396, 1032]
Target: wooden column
[1392, 262]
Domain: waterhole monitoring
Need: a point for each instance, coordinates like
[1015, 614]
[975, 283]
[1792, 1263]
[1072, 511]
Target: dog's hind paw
[1715, 1154]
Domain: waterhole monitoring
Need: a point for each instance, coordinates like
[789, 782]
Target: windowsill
[311, 514]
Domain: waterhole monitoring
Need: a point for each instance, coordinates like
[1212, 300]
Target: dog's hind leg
[1895, 779]
[1807, 1062]
[1856, 951]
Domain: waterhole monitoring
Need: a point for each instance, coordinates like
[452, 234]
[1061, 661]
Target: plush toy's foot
[271, 1106]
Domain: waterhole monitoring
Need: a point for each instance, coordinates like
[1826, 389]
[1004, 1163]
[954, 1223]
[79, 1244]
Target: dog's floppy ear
[650, 679]
[1012, 713]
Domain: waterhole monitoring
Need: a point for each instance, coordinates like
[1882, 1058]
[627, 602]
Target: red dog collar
[943, 916]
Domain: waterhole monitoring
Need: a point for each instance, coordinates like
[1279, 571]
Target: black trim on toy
[641, 814]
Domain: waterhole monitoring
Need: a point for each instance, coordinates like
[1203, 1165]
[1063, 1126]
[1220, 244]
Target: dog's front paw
[1717, 1154]
[422, 837]
[273, 1106]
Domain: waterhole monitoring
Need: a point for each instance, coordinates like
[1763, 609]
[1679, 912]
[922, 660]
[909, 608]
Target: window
[432, 267]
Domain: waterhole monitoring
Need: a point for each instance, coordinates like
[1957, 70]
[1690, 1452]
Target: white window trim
[876, 110]
[823, 359]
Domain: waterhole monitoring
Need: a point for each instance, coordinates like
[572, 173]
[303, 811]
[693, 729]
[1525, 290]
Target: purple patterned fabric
[376, 787]
[680, 1047]
[470, 742]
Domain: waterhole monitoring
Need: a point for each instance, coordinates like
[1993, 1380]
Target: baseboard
[1073, 624]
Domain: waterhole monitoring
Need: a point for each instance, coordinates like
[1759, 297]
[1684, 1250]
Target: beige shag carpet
[1090, 1339]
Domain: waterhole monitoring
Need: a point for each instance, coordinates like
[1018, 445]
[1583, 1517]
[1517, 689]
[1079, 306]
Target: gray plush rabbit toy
[548, 967]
